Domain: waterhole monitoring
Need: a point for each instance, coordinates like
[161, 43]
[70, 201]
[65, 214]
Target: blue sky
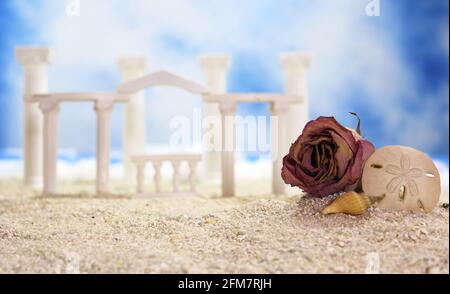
[391, 69]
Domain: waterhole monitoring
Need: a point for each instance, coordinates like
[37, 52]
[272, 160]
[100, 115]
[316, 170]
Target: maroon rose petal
[326, 158]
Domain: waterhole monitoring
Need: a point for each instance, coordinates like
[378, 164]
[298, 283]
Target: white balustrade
[156, 160]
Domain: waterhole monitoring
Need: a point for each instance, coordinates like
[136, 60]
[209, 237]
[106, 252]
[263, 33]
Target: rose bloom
[326, 158]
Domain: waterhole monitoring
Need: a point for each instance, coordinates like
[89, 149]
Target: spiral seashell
[350, 203]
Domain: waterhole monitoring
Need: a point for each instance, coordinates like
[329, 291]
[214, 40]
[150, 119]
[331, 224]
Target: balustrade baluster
[176, 176]
[192, 174]
[140, 177]
[157, 178]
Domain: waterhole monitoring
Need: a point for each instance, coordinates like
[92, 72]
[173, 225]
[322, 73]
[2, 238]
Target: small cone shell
[350, 203]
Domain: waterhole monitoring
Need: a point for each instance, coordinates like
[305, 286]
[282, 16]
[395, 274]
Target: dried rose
[326, 158]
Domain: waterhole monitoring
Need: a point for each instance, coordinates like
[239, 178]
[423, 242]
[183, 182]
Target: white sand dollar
[403, 178]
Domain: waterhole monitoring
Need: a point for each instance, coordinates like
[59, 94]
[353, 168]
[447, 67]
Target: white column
[134, 133]
[35, 64]
[295, 67]
[228, 110]
[215, 68]
[280, 144]
[50, 110]
[103, 110]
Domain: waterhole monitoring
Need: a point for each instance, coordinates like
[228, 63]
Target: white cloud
[348, 48]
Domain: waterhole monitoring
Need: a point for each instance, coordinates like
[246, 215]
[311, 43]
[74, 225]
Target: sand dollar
[403, 178]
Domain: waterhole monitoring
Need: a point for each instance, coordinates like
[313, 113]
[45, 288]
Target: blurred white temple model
[41, 110]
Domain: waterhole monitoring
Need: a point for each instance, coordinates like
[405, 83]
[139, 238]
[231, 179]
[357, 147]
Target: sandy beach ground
[258, 234]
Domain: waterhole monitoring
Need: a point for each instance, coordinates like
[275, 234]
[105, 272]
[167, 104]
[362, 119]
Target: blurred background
[391, 68]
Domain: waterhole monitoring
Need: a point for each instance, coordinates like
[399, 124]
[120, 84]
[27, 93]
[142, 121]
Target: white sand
[263, 234]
